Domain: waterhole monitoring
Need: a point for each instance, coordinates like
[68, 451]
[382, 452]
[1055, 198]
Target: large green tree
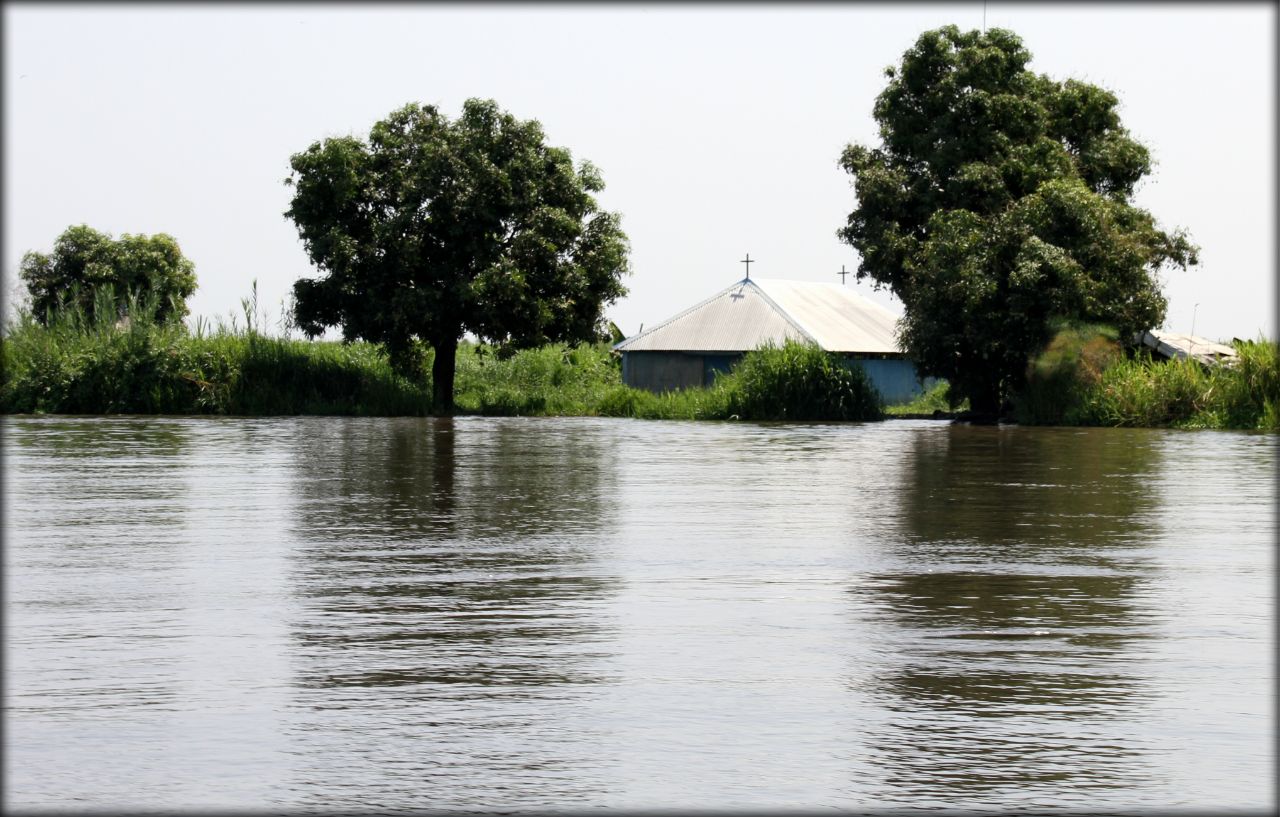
[998, 201]
[86, 264]
[434, 228]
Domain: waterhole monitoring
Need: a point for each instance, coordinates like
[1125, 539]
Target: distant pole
[984, 16]
[842, 274]
[1193, 323]
[747, 261]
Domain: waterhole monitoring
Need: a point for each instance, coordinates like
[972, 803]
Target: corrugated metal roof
[753, 312]
[836, 317]
[1174, 345]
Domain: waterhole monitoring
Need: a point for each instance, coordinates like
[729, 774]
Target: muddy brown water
[565, 613]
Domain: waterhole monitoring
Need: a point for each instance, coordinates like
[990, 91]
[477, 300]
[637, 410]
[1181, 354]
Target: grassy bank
[935, 399]
[81, 366]
[792, 382]
[1185, 394]
[78, 365]
[1084, 377]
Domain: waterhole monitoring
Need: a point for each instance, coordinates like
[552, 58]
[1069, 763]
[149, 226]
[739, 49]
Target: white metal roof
[756, 311]
[1175, 345]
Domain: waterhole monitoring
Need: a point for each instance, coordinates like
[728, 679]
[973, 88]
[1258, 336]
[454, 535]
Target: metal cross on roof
[747, 261]
[842, 273]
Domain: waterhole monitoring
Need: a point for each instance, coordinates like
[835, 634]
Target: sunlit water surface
[367, 614]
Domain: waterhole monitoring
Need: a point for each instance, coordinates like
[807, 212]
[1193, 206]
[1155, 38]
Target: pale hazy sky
[717, 128]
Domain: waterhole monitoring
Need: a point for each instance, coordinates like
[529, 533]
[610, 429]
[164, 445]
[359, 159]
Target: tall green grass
[80, 364]
[77, 364]
[790, 382]
[936, 398]
[798, 381]
[1062, 377]
[1186, 394]
[556, 379]
[1084, 378]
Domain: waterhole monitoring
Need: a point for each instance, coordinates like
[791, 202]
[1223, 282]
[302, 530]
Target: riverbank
[1086, 378]
[80, 366]
[75, 366]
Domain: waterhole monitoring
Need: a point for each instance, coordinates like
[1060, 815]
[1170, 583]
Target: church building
[688, 349]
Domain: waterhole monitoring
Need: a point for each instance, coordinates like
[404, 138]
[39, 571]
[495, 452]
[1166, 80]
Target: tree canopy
[999, 203]
[86, 264]
[434, 228]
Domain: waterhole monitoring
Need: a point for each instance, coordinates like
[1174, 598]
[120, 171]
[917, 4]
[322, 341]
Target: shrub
[798, 381]
[81, 364]
[624, 401]
[1064, 373]
[553, 379]
[1187, 394]
[937, 397]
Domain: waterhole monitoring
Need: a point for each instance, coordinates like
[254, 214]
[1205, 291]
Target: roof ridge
[620, 344]
[856, 296]
[815, 312]
[784, 313]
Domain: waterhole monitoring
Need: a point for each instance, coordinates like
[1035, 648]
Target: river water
[380, 614]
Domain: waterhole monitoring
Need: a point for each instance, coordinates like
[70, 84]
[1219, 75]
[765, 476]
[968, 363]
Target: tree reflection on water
[1010, 632]
[449, 593]
[468, 563]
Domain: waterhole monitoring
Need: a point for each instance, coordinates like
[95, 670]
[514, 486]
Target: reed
[1061, 379]
[1186, 394]
[798, 381]
[96, 364]
[790, 382]
[93, 363]
[1084, 378]
[936, 398]
[556, 379]
[711, 403]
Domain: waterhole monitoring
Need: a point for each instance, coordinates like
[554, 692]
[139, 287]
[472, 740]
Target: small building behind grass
[709, 337]
[1175, 346]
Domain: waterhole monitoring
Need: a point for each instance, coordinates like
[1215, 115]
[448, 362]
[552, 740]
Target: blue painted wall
[895, 379]
[717, 364]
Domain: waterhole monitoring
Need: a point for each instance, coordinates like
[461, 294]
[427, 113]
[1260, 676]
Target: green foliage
[624, 401]
[85, 365]
[999, 201]
[1187, 394]
[434, 228]
[1083, 378]
[555, 379]
[82, 363]
[1059, 378]
[1254, 393]
[87, 270]
[799, 381]
[683, 404]
[937, 398]
[792, 382]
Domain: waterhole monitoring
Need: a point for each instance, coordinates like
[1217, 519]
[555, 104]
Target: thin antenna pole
[984, 16]
[1191, 341]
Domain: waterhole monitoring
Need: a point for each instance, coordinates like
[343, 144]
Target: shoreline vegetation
[78, 364]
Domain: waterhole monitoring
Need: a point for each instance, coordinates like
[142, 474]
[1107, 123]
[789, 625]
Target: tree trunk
[442, 371]
[985, 402]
